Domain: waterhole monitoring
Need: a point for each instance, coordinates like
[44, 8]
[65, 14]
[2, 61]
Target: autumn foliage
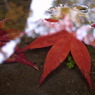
[8, 35]
[62, 44]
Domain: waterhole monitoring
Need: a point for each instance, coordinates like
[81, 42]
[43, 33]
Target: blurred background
[18, 10]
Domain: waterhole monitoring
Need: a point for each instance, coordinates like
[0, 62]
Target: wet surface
[19, 79]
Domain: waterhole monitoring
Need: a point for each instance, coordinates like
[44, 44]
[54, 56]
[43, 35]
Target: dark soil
[19, 79]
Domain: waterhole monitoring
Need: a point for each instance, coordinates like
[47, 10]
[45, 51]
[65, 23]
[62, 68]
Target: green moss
[71, 63]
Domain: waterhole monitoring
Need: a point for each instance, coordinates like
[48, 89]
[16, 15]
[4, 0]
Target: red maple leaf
[8, 35]
[62, 44]
[21, 58]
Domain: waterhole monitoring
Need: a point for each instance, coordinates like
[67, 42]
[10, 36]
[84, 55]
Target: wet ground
[19, 79]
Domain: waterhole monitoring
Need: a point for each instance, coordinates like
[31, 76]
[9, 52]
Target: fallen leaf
[62, 44]
[45, 41]
[6, 36]
[56, 55]
[51, 20]
[82, 58]
[21, 58]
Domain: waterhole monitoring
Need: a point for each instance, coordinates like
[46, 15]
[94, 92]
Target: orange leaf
[82, 58]
[56, 55]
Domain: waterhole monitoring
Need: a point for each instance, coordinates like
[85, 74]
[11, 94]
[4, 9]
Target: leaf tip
[44, 75]
[89, 82]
